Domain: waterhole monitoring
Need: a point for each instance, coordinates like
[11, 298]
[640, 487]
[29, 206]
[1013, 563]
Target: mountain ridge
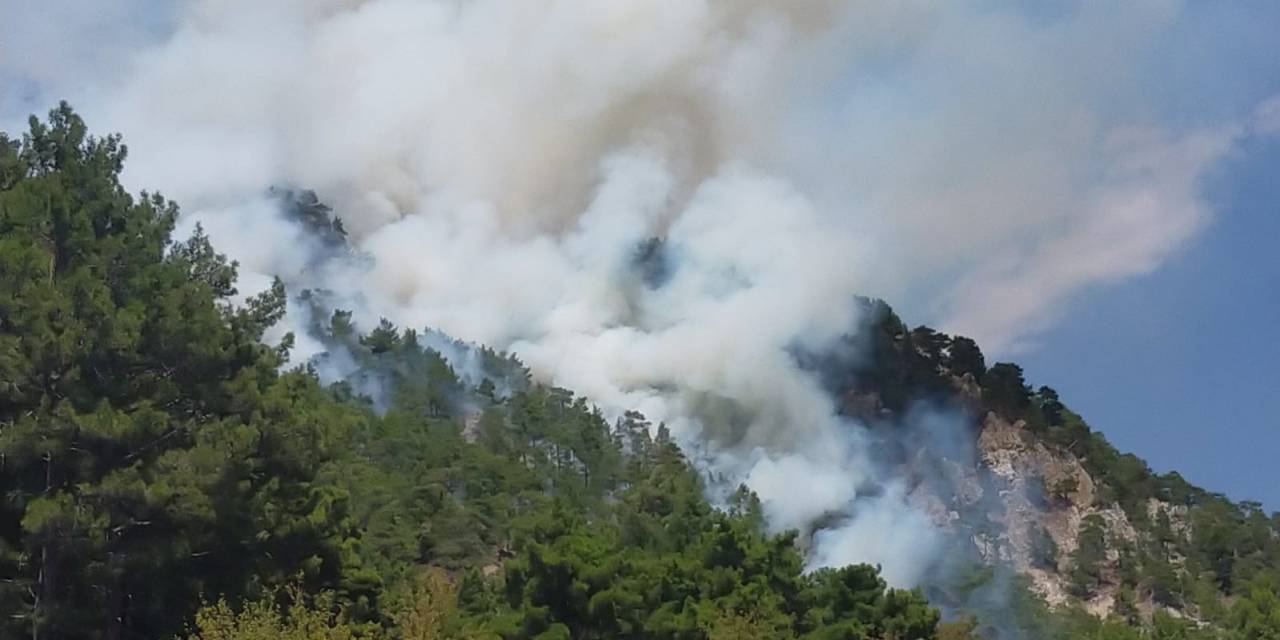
[166, 473]
[1063, 480]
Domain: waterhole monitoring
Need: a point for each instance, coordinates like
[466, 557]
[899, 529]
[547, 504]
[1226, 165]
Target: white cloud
[1267, 116]
[1148, 207]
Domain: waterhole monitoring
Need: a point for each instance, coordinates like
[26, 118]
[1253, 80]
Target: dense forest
[166, 475]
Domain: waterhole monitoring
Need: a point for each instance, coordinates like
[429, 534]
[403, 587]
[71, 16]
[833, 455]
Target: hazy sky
[1095, 196]
[1183, 366]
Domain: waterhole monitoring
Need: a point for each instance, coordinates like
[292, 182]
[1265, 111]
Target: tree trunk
[115, 615]
[43, 579]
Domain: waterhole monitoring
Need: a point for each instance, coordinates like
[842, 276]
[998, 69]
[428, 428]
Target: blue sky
[1183, 366]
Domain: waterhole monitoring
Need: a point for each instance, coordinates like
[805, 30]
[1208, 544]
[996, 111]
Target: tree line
[165, 475]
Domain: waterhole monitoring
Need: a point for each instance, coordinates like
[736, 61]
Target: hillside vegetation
[1092, 530]
[164, 475]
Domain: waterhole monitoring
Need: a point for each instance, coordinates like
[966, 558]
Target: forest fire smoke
[502, 169]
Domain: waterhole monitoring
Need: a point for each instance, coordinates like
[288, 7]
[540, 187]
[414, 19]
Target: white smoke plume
[498, 164]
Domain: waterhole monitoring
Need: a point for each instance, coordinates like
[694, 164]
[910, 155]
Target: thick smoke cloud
[499, 164]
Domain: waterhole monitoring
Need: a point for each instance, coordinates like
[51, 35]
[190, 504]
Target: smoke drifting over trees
[497, 167]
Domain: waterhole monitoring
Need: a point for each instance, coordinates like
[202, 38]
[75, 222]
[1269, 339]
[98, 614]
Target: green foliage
[1089, 557]
[964, 357]
[315, 216]
[1256, 614]
[154, 457]
[1005, 390]
[963, 629]
[306, 618]
[1050, 406]
[561, 525]
[150, 449]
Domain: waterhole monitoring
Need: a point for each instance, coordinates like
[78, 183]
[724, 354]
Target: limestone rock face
[1047, 492]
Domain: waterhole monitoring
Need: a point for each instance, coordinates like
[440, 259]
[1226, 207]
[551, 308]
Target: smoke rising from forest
[500, 167]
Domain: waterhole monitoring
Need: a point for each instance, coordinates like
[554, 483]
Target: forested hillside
[1093, 531]
[166, 475]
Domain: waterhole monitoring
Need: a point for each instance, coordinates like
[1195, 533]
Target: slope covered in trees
[163, 476]
[1157, 556]
[153, 457]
